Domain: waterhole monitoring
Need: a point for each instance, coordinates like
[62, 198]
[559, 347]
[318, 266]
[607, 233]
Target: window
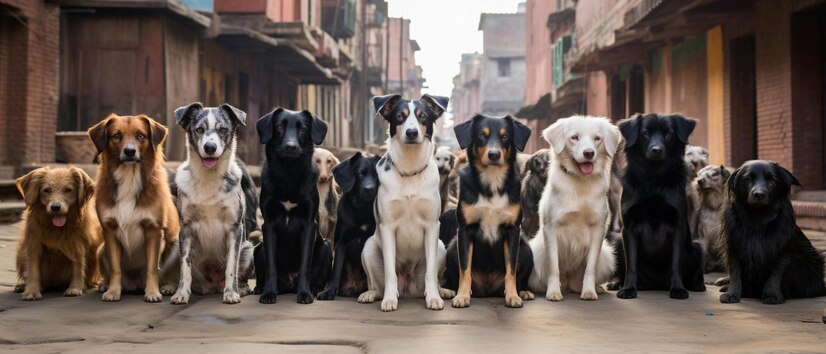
[504, 67]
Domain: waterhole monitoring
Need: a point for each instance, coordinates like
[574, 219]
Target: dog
[658, 251]
[769, 257]
[489, 257]
[571, 253]
[461, 161]
[532, 185]
[135, 207]
[710, 186]
[359, 183]
[293, 256]
[215, 252]
[448, 226]
[328, 192]
[61, 234]
[445, 160]
[406, 244]
[695, 158]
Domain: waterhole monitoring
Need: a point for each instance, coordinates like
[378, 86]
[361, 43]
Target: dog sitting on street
[445, 160]
[328, 192]
[710, 186]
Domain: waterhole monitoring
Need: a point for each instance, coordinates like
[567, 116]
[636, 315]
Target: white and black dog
[405, 256]
[214, 206]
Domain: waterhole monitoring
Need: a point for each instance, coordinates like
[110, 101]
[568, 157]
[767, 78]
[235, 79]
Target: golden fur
[52, 257]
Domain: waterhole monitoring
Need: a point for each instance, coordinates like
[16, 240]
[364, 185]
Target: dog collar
[409, 174]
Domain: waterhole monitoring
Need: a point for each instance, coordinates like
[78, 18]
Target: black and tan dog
[489, 255]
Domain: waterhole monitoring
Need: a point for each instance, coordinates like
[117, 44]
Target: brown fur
[154, 200]
[51, 257]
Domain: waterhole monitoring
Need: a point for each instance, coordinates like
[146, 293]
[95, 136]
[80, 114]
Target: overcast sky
[445, 29]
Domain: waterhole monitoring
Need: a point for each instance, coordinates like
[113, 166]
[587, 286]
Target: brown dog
[61, 235]
[135, 207]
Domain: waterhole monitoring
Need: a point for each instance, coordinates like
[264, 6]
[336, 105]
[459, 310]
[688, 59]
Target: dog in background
[215, 252]
[532, 185]
[769, 257]
[359, 183]
[135, 207]
[328, 192]
[571, 253]
[405, 256]
[461, 161]
[445, 160]
[293, 256]
[695, 158]
[61, 234]
[710, 186]
[659, 252]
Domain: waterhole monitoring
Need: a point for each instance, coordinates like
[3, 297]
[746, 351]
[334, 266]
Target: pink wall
[538, 52]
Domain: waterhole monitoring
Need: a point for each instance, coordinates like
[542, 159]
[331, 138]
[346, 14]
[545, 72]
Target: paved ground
[650, 323]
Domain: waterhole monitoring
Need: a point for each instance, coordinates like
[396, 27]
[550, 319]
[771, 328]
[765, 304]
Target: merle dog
[359, 184]
[293, 256]
[659, 253]
[769, 257]
[533, 184]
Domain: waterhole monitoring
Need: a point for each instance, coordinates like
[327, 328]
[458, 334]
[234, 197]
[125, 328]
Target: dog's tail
[607, 264]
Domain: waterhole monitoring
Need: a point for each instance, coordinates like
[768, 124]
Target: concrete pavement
[653, 322]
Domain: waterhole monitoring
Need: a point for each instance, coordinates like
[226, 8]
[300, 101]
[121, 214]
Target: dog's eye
[422, 116]
[505, 136]
[646, 134]
[139, 136]
[280, 128]
[329, 161]
[47, 190]
[199, 130]
[302, 130]
[400, 117]
[67, 190]
[117, 136]
[223, 130]
[668, 135]
[596, 138]
[482, 136]
[575, 138]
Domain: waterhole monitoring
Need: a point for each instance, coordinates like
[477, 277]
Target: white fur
[573, 212]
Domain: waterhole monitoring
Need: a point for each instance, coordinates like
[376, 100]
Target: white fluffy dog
[573, 212]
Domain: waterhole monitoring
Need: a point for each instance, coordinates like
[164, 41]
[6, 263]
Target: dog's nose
[701, 182]
[322, 178]
[370, 190]
[210, 148]
[656, 150]
[759, 195]
[589, 154]
[494, 155]
[129, 151]
[291, 147]
[55, 207]
[412, 133]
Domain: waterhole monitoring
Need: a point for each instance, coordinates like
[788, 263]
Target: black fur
[533, 184]
[359, 184]
[769, 256]
[659, 253]
[288, 175]
[448, 226]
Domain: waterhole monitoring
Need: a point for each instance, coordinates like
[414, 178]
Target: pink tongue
[59, 220]
[210, 163]
[586, 167]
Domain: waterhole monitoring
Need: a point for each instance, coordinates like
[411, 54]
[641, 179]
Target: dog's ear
[184, 115]
[157, 132]
[630, 129]
[683, 126]
[385, 104]
[612, 139]
[787, 175]
[733, 180]
[29, 186]
[238, 116]
[555, 135]
[85, 186]
[318, 128]
[521, 133]
[464, 132]
[264, 125]
[437, 103]
[343, 173]
[99, 134]
[724, 172]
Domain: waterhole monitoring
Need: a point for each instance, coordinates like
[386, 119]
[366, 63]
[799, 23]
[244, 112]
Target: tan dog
[710, 186]
[135, 206]
[328, 192]
[695, 159]
[61, 235]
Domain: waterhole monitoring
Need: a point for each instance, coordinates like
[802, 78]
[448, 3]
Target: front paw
[527, 295]
[770, 299]
[678, 294]
[446, 293]
[305, 297]
[589, 294]
[31, 296]
[267, 298]
[168, 289]
[614, 286]
[111, 295]
[368, 297]
[19, 288]
[722, 281]
[513, 301]
[327, 295]
[389, 304]
[73, 292]
[729, 298]
[152, 296]
[258, 290]
[554, 295]
[627, 293]
[461, 301]
[180, 298]
[434, 302]
[232, 297]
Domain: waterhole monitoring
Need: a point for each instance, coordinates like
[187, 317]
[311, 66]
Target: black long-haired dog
[659, 253]
[359, 184]
[769, 257]
[293, 256]
[489, 257]
[533, 184]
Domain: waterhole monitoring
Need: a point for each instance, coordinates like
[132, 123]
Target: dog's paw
[232, 297]
[600, 289]
[31, 296]
[73, 292]
[180, 298]
[630, 293]
[554, 296]
[258, 290]
[770, 299]
[305, 297]
[102, 288]
[19, 288]
[722, 281]
[434, 302]
[513, 301]
[111, 295]
[168, 290]
[326, 295]
[446, 293]
[244, 290]
[527, 295]
[368, 297]
[390, 304]
[678, 294]
[729, 298]
[589, 295]
[461, 301]
[267, 298]
[614, 286]
[152, 296]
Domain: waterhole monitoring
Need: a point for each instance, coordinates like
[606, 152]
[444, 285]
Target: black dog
[359, 184]
[532, 187]
[489, 254]
[448, 226]
[659, 253]
[769, 256]
[293, 256]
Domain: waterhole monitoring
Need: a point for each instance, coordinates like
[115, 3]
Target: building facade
[502, 79]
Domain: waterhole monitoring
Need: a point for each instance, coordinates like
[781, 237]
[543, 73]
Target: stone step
[810, 214]
[8, 191]
[10, 211]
